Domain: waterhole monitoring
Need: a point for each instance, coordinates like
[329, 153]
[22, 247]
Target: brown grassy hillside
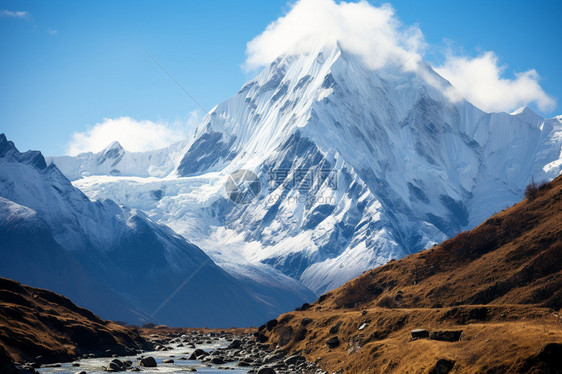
[500, 284]
[36, 322]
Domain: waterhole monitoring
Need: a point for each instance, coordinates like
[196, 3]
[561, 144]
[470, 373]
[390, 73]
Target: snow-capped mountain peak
[9, 152]
[113, 153]
[116, 161]
[113, 150]
[412, 167]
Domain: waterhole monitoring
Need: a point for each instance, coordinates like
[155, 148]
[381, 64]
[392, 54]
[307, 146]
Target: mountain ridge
[487, 300]
[413, 168]
[39, 323]
[128, 265]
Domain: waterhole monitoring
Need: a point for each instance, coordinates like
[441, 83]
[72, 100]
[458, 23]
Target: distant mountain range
[117, 261]
[356, 167]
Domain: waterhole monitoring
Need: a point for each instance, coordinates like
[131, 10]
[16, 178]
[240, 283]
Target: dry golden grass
[510, 337]
[500, 283]
[36, 322]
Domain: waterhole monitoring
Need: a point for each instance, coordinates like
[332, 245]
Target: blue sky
[67, 65]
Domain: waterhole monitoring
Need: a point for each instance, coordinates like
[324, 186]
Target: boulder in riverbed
[197, 354]
[235, 344]
[266, 370]
[116, 365]
[148, 362]
[295, 359]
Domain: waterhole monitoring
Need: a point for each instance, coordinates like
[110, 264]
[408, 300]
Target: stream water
[178, 354]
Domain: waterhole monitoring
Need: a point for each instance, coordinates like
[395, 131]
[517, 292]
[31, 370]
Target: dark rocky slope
[38, 323]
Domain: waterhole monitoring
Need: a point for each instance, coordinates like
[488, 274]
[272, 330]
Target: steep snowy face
[313, 92]
[77, 223]
[31, 255]
[356, 167]
[118, 255]
[411, 167]
[262, 115]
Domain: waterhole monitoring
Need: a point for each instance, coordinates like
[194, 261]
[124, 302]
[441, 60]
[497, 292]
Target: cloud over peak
[376, 35]
[373, 33]
[480, 81]
[134, 136]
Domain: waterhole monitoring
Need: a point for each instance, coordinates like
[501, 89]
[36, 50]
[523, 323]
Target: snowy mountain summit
[357, 167]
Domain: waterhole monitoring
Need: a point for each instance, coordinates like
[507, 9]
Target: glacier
[412, 168]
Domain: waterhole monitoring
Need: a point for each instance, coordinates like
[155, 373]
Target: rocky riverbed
[194, 351]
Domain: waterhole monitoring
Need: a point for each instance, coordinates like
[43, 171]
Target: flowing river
[178, 354]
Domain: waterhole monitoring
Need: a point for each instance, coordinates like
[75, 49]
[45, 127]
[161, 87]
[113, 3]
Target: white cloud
[374, 33]
[133, 135]
[52, 31]
[12, 14]
[480, 80]
[377, 36]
